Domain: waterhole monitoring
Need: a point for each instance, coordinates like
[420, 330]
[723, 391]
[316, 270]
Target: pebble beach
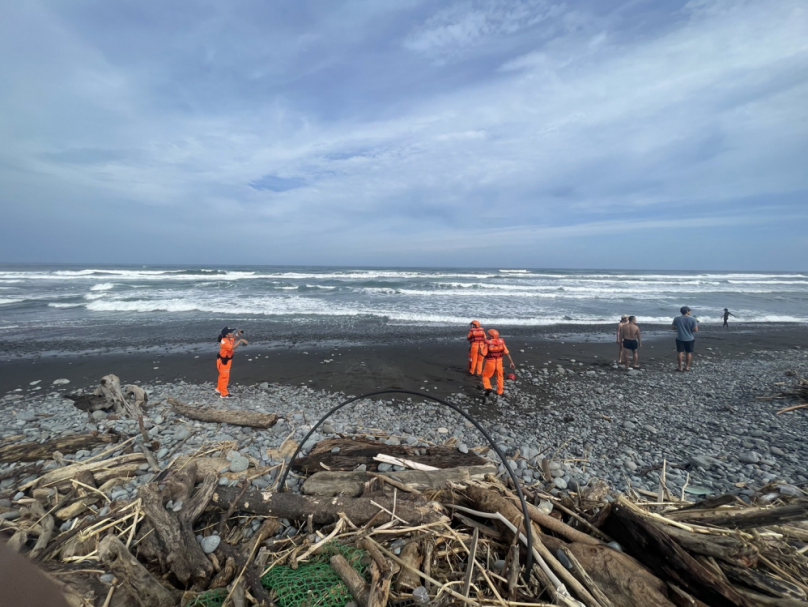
[572, 418]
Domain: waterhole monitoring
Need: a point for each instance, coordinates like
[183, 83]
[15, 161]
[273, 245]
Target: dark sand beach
[392, 359]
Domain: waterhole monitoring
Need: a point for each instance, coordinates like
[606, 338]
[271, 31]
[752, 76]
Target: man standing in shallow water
[685, 326]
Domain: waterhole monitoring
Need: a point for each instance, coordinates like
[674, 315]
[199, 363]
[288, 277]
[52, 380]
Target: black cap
[225, 332]
[684, 309]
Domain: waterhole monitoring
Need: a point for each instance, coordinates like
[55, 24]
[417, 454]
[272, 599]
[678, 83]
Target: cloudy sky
[508, 133]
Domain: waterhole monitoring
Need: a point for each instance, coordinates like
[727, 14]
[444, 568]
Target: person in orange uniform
[224, 360]
[476, 339]
[494, 350]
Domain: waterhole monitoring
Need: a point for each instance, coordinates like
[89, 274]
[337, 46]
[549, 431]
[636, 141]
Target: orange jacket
[495, 348]
[227, 348]
[477, 334]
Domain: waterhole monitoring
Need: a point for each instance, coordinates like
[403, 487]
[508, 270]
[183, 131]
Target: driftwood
[31, 452]
[669, 560]
[220, 416]
[412, 556]
[744, 519]
[381, 572]
[175, 530]
[134, 577]
[98, 468]
[109, 395]
[324, 511]
[352, 484]
[727, 548]
[352, 453]
[356, 585]
[622, 578]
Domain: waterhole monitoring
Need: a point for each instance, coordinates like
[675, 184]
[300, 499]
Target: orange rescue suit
[223, 363]
[476, 339]
[495, 349]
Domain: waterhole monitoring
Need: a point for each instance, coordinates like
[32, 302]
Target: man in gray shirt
[685, 326]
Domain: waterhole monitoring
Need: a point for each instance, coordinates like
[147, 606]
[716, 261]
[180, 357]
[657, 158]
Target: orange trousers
[494, 365]
[224, 376]
[476, 358]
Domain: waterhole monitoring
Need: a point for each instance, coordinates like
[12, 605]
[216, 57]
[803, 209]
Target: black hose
[525, 511]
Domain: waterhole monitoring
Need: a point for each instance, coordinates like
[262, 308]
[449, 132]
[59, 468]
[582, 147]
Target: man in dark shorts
[631, 338]
[685, 327]
[726, 316]
[623, 322]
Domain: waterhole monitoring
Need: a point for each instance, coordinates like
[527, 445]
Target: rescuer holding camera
[224, 360]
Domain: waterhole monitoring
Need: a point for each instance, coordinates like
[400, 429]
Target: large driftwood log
[31, 452]
[743, 519]
[105, 469]
[175, 530]
[669, 560]
[134, 577]
[219, 416]
[323, 510]
[619, 576]
[727, 548]
[352, 484]
[362, 451]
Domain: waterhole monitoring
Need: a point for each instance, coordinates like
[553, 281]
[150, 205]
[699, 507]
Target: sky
[487, 133]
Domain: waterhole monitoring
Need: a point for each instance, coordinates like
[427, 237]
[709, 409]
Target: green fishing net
[312, 584]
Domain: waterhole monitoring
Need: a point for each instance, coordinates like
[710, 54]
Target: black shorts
[630, 344]
[685, 346]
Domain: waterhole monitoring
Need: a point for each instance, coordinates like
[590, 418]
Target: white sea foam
[4, 302]
[65, 305]
[103, 286]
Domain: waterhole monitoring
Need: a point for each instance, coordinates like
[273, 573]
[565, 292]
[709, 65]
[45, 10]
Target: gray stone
[361, 468]
[777, 451]
[629, 425]
[182, 433]
[790, 490]
[107, 579]
[462, 447]
[749, 458]
[421, 595]
[385, 467]
[26, 416]
[210, 543]
[700, 461]
[99, 415]
[61, 382]
[240, 464]
[560, 483]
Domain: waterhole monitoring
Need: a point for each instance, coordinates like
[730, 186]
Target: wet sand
[412, 361]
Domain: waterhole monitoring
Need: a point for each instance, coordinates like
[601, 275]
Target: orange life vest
[226, 350]
[496, 348]
[477, 334]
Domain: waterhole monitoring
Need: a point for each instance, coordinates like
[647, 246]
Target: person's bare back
[629, 331]
[631, 337]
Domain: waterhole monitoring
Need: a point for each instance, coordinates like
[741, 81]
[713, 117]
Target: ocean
[73, 296]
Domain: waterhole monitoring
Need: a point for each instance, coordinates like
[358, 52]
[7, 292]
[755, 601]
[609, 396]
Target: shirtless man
[631, 338]
[623, 321]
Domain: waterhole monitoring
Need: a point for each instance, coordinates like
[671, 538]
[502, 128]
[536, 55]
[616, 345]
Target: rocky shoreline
[563, 424]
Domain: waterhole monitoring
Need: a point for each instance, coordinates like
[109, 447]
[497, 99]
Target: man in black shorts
[631, 337]
[685, 326]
